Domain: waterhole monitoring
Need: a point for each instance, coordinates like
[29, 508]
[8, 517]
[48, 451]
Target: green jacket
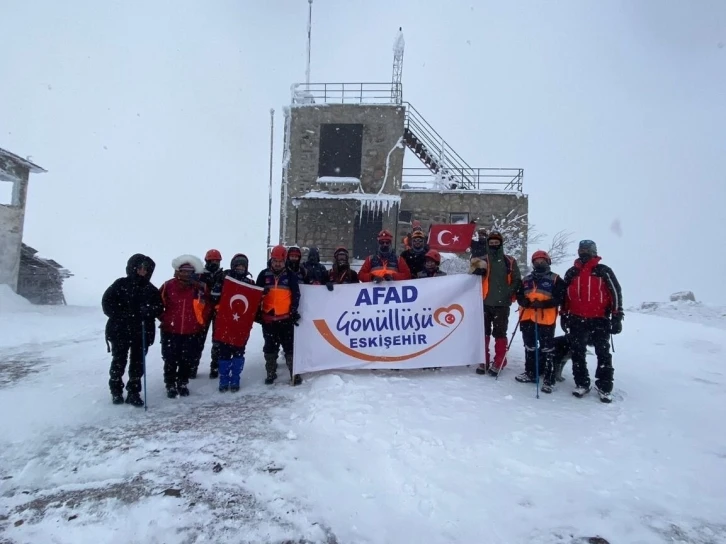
[500, 292]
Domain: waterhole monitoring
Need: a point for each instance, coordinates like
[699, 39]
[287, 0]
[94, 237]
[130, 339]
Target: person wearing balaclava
[315, 272]
[384, 265]
[593, 310]
[416, 254]
[341, 272]
[129, 302]
[501, 279]
[294, 263]
[213, 272]
[539, 296]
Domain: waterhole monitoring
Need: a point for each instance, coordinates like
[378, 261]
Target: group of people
[587, 298]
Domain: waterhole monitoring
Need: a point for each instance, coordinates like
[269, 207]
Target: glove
[330, 286]
[565, 322]
[295, 318]
[616, 323]
[266, 290]
[537, 304]
[480, 272]
[525, 303]
[388, 277]
[377, 279]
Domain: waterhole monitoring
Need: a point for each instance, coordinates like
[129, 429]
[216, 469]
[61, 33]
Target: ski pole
[509, 345]
[612, 342]
[536, 354]
[143, 357]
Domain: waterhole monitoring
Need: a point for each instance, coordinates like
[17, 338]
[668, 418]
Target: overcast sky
[152, 118]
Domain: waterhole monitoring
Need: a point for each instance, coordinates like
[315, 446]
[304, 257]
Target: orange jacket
[377, 265]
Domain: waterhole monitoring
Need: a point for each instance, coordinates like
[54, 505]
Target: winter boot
[117, 398]
[238, 365]
[183, 390]
[214, 366]
[605, 396]
[296, 378]
[580, 392]
[525, 377]
[225, 368]
[134, 399]
[171, 391]
[271, 368]
[482, 369]
[546, 388]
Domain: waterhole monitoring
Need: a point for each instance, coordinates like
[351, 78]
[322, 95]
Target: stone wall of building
[430, 207]
[382, 130]
[12, 219]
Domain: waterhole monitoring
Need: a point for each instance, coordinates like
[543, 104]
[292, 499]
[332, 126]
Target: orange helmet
[213, 255]
[278, 253]
[434, 256]
[385, 235]
[539, 254]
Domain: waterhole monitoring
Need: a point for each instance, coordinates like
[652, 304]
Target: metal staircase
[449, 169]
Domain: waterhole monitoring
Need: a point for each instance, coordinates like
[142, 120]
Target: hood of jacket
[135, 261]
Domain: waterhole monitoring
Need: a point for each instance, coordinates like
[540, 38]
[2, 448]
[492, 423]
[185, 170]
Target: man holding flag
[237, 300]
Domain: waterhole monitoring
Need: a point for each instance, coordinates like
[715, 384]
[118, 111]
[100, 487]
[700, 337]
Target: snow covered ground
[379, 457]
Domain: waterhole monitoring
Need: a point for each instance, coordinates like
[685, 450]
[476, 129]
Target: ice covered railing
[306, 94]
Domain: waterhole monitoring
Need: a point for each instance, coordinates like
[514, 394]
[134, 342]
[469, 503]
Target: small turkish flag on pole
[236, 312]
[451, 238]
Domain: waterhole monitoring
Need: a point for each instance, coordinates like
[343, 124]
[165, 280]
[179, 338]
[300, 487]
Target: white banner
[418, 323]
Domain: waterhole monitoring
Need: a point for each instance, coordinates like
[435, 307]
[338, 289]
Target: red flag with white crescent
[236, 312]
[454, 238]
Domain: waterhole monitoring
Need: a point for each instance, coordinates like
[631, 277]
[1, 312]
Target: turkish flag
[236, 312]
[451, 238]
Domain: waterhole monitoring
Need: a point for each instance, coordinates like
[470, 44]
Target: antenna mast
[310, 32]
[398, 47]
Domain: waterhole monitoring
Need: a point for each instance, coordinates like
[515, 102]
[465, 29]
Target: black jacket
[415, 259]
[315, 273]
[130, 298]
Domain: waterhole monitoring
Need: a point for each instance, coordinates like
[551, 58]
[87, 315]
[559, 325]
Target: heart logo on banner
[450, 316]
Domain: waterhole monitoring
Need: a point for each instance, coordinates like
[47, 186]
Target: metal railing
[446, 168]
[479, 179]
[347, 93]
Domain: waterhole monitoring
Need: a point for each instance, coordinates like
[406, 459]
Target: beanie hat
[588, 246]
[385, 236]
[294, 250]
[239, 259]
[418, 233]
[340, 251]
[434, 256]
[496, 235]
[213, 255]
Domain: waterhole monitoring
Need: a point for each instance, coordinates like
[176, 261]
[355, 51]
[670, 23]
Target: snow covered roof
[34, 168]
[374, 202]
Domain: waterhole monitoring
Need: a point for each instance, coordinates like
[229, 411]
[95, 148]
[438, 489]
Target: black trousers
[496, 321]
[202, 339]
[278, 334]
[179, 352]
[123, 351]
[546, 336]
[597, 333]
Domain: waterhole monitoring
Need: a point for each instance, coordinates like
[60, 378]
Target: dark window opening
[405, 216]
[365, 233]
[341, 151]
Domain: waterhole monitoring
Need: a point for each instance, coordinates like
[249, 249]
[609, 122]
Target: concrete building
[344, 178]
[14, 175]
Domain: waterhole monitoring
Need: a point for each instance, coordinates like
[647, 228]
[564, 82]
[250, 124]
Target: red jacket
[376, 265]
[186, 307]
[592, 290]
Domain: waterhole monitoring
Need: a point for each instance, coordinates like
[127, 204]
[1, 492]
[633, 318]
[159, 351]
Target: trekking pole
[509, 345]
[536, 353]
[612, 342]
[143, 357]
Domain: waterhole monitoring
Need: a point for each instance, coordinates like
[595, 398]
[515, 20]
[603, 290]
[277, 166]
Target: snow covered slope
[380, 457]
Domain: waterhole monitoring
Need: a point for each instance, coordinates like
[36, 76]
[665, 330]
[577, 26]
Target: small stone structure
[16, 171]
